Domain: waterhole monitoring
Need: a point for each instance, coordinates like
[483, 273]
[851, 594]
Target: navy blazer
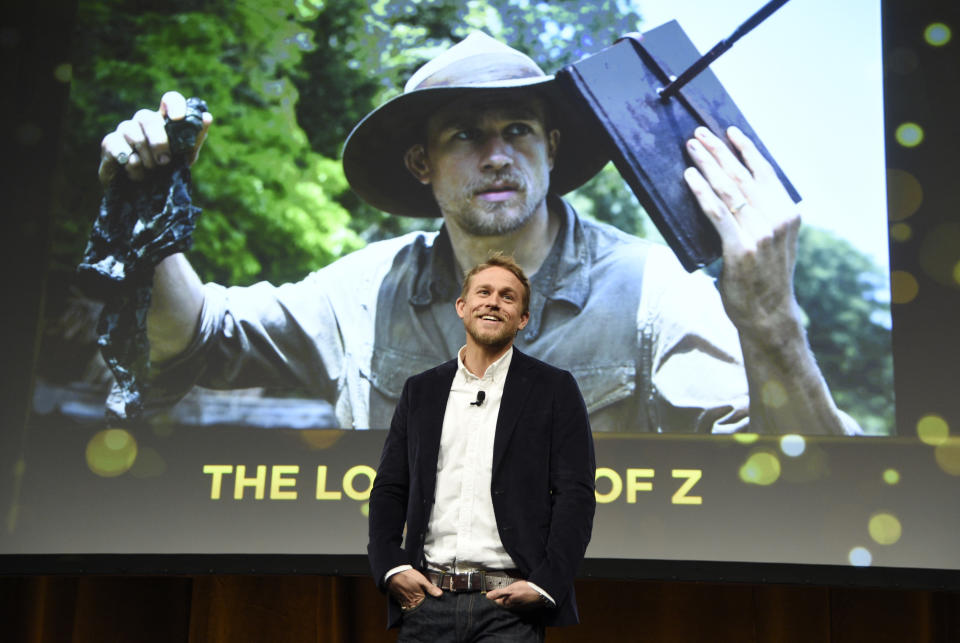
[542, 482]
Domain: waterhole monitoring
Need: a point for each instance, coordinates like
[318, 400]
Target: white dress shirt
[462, 534]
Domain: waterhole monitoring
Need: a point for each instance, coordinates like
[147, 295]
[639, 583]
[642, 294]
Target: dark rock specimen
[140, 223]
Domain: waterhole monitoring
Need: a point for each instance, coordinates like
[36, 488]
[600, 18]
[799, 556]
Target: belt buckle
[481, 585]
[464, 581]
[471, 581]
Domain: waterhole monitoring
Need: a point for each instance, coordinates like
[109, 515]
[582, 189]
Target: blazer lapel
[516, 391]
[432, 427]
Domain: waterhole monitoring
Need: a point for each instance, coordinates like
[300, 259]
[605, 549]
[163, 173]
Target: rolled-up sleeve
[316, 335]
[260, 335]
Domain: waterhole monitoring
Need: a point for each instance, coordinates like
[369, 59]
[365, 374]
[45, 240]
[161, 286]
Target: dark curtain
[322, 609]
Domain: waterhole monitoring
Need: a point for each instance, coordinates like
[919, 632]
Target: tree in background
[845, 297]
[269, 199]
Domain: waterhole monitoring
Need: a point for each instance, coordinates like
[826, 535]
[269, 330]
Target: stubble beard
[494, 218]
[496, 340]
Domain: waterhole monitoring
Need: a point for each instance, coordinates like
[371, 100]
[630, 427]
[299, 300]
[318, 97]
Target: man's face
[488, 163]
[492, 311]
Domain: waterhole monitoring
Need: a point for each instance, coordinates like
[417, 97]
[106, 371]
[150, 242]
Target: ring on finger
[122, 158]
[736, 209]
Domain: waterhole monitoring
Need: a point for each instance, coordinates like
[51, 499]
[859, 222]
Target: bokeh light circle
[940, 253]
[937, 34]
[318, 439]
[947, 455]
[933, 429]
[904, 194]
[903, 287]
[793, 445]
[111, 452]
[773, 393]
[860, 557]
[891, 476]
[746, 438]
[909, 134]
[63, 72]
[149, 464]
[884, 528]
[901, 232]
[116, 439]
[761, 468]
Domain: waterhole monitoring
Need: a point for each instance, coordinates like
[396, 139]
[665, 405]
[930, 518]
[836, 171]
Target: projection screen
[836, 97]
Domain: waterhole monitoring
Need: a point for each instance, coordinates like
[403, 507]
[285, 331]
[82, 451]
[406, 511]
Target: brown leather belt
[472, 581]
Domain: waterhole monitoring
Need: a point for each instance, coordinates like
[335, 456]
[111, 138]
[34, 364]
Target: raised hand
[758, 225]
[140, 143]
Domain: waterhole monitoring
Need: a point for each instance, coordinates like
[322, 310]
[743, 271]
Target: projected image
[331, 271]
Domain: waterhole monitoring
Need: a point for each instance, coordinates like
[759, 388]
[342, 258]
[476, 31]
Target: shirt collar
[571, 281]
[436, 273]
[496, 372]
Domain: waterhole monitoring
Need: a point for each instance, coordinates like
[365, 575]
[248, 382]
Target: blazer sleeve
[389, 497]
[572, 476]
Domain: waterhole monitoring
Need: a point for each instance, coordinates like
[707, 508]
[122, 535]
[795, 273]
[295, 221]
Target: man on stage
[489, 466]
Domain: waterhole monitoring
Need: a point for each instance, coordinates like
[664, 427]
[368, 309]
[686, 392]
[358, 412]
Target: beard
[492, 340]
[493, 218]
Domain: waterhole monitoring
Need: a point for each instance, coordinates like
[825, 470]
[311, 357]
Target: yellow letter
[634, 485]
[353, 472]
[259, 483]
[616, 485]
[277, 480]
[692, 476]
[218, 471]
[322, 493]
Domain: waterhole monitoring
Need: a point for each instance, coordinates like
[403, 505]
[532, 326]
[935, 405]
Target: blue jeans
[467, 617]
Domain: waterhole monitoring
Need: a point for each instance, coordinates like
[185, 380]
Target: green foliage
[840, 289]
[398, 37]
[268, 198]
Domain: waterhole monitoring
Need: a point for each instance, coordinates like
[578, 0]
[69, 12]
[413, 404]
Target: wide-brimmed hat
[477, 65]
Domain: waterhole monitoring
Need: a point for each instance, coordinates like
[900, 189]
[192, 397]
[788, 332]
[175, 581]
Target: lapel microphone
[480, 397]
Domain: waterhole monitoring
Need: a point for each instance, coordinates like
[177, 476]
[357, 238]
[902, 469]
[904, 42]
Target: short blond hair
[497, 259]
